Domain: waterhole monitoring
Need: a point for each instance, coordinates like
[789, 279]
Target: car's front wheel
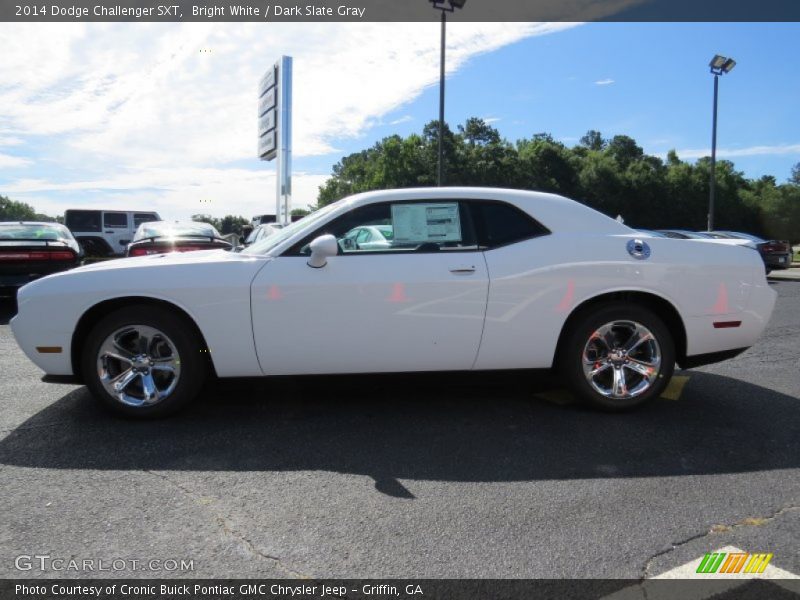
[618, 356]
[144, 361]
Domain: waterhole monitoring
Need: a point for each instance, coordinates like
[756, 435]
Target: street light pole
[712, 192]
[442, 5]
[719, 66]
[440, 172]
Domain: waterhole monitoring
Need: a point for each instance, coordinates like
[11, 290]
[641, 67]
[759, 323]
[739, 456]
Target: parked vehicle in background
[265, 219]
[776, 254]
[474, 279]
[160, 237]
[105, 232]
[375, 237]
[29, 250]
[260, 232]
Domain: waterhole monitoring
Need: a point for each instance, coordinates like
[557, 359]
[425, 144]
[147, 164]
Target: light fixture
[721, 64]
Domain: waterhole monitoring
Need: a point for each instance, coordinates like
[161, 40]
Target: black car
[776, 254]
[30, 250]
[159, 237]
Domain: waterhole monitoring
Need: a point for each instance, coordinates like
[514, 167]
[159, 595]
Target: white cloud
[7, 161]
[775, 150]
[174, 193]
[490, 120]
[604, 82]
[142, 100]
[403, 119]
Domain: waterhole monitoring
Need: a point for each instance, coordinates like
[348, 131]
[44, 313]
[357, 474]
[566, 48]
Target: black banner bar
[399, 10]
[392, 589]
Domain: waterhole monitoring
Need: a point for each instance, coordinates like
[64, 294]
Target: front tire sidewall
[187, 343]
[571, 360]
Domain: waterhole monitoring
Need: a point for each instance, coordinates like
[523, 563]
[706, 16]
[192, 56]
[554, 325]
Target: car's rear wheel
[144, 361]
[618, 356]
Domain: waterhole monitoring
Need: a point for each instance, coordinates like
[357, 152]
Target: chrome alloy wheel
[621, 360]
[138, 365]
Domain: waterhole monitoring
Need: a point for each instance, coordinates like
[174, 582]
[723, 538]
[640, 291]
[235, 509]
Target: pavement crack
[716, 529]
[228, 530]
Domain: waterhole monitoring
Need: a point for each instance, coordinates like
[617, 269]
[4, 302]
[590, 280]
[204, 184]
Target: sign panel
[266, 122]
[267, 102]
[267, 81]
[419, 223]
[268, 145]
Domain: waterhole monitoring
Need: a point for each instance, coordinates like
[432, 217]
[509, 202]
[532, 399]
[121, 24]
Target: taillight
[62, 255]
[37, 255]
[145, 251]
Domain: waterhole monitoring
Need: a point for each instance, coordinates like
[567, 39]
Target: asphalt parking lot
[424, 476]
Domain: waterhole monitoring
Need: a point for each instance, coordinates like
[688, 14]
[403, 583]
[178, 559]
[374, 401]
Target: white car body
[502, 308]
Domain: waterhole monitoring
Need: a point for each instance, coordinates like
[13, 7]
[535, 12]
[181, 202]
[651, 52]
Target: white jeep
[105, 232]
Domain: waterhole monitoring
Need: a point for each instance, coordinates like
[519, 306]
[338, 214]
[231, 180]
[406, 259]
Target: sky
[162, 116]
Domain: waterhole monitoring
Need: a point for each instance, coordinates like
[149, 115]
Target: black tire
[182, 334]
[570, 360]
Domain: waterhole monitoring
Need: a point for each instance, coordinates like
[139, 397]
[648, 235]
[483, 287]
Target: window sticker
[416, 223]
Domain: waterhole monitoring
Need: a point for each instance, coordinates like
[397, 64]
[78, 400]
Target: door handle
[109, 232]
[462, 270]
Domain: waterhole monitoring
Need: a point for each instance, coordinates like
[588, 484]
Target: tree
[225, 225]
[795, 178]
[593, 140]
[12, 210]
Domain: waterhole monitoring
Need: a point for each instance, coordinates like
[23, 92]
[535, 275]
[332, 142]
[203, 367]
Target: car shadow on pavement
[8, 308]
[449, 427]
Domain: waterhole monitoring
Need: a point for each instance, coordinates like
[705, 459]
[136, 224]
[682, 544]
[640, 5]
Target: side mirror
[321, 248]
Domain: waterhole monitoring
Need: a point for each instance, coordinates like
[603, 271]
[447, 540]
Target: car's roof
[555, 212]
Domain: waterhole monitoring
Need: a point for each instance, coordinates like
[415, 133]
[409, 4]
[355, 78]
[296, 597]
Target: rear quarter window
[500, 224]
[83, 220]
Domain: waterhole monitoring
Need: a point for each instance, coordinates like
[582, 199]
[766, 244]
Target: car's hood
[170, 259]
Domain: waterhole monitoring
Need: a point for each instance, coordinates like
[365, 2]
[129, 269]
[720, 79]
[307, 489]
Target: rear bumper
[706, 336]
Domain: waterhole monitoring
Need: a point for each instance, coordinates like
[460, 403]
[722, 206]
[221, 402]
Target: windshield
[268, 243]
[163, 229]
[38, 231]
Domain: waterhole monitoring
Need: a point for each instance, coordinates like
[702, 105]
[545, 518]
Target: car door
[422, 300]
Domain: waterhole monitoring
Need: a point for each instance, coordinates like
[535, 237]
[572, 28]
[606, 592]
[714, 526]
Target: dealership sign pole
[275, 130]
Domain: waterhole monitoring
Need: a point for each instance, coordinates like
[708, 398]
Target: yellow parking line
[675, 387]
[562, 397]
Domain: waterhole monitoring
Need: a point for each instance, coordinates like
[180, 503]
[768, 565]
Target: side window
[139, 218]
[417, 226]
[499, 224]
[83, 220]
[115, 220]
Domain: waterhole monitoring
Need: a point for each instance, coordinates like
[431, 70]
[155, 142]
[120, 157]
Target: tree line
[614, 176]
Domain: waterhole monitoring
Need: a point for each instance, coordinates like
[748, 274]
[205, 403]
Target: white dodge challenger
[471, 279]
